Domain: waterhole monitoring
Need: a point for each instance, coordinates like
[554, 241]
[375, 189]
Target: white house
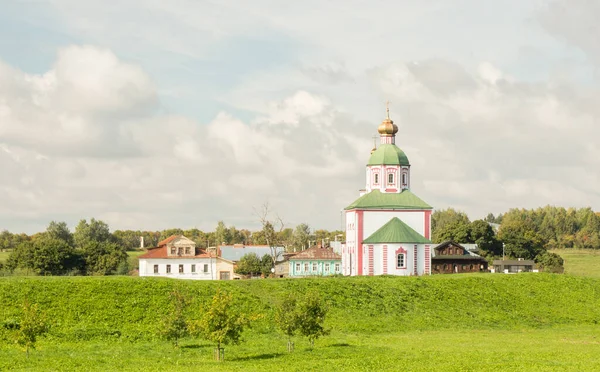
[177, 257]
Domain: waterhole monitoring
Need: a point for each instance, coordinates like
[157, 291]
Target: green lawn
[550, 349]
[133, 258]
[584, 262]
[4, 256]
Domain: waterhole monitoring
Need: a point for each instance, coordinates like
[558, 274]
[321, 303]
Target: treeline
[522, 233]
[298, 238]
[92, 249]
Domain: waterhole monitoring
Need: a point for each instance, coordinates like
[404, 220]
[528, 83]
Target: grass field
[552, 349]
[584, 262]
[525, 322]
[4, 256]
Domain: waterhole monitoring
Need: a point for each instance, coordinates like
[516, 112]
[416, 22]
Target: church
[388, 228]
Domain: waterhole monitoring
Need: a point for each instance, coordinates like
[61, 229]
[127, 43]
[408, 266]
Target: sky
[153, 114]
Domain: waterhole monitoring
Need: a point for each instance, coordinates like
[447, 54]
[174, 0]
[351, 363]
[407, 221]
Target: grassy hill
[86, 308]
[446, 322]
[584, 262]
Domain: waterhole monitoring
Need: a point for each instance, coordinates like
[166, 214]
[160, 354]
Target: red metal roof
[168, 240]
[317, 253]
[162, 252]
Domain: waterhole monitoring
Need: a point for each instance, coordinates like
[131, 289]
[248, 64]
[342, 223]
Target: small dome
[387, 127]
[388, 154]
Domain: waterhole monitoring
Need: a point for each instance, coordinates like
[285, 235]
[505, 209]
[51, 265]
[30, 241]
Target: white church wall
[373, 220]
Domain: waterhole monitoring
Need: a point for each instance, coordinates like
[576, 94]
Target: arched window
[376, 178]
[391, 178]
[404, 178]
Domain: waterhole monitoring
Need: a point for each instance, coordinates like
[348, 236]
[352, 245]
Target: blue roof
[235, 253]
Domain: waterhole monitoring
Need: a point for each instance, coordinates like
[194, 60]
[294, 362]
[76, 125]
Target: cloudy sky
[152, 114]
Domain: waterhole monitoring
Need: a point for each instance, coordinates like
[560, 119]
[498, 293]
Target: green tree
[266, 264]
[174, 325]
[449, 224]
[31, 326]
[312, 311]
[484, 236]
[249, 264]
[101, 251]
[222, 234]
[550, 262]
[288, 319]
[60, 230]
[222, 322]
[520, 237]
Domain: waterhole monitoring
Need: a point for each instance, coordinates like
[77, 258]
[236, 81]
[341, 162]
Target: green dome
[388, 154]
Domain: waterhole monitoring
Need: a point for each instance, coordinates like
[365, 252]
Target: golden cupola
[387, 129]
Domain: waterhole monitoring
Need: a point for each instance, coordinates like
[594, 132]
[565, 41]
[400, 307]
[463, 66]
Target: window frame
[315, 267]
[327, 267]
[390, 178]
[168, 269]
[376, 179]
[337, 267]
[205, 268]
[181, 270]
[403, 255]
[298, 267]
[306, 267]
[193, 268]
[155, 269]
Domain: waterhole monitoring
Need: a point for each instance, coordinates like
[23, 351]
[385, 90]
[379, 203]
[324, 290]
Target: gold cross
[387, 108]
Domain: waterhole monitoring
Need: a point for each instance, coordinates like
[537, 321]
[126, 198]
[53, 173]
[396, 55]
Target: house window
[168, 269]
[401, 261]
[155, 269]
[306, 267]
[193, 268]
[314, 267]
[391, 178]
[179, 251]
[297, 267]
[172, 250]
[337, 267]
[180, 269]
[326, 267]
[187, 250]
[463, 267]
[205, 268]
[376, 178]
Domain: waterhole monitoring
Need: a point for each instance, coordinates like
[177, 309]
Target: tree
[312, 311]
[174, 325]
[249, 264]
[287, 318]
[266, 264]
[100, 249]
[520, 238]
[449, 224]
[222, 234]
[269, 232]
[45, 255]
[31, 326]
[222, 323]
[550, 262]
[60, 230]
[483, 235]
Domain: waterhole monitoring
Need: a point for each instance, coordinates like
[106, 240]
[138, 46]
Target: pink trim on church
[427, 260]
[415, 261]
[371, 263]
[385, 259]
[359, 245]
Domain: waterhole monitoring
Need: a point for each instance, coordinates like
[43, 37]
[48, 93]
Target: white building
[388, 227]
[177, 257]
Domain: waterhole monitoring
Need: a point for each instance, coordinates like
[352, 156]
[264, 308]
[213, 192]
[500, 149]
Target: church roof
[379, 200]
[396, 231]
[388, 154]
